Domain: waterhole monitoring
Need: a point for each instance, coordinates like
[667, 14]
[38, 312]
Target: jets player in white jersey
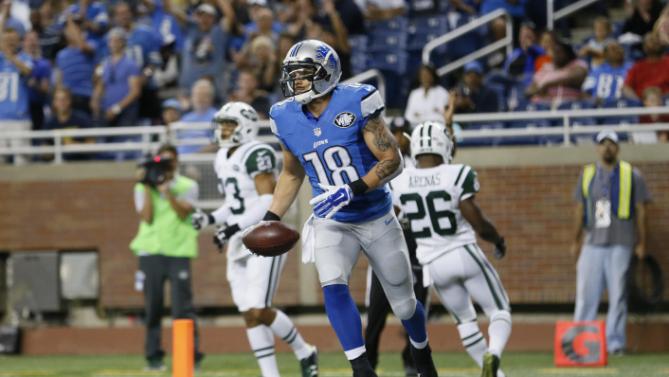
[438, 199]
[246, 170]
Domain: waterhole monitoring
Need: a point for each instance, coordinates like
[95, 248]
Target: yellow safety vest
[623, 206]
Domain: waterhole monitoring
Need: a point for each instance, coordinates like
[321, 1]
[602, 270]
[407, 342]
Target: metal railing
[507, 41]
[568, 127]
[553, 15]
[370, 74]
[146, 139]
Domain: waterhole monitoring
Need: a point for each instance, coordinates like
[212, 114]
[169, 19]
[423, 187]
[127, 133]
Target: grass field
[332, 365]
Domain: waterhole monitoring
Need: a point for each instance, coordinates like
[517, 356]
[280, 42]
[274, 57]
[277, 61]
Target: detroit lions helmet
[431, 138]
[314, 61]
[244, 116]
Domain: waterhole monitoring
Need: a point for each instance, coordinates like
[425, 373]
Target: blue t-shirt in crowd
[77, 68]
[165, 25]
[96, 12]
[41, 70]
[203, 55]
[13, 89]
[606, 82]
[516, 10]
[115, 77]
[193, 116]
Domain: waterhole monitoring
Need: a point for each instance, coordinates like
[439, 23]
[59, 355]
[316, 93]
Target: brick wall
[532, 207]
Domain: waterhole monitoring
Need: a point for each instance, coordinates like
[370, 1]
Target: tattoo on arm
[386, 168]
[383, 139]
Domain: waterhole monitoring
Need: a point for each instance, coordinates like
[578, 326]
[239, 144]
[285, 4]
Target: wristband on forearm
[230, 230]
[358, 187]
[271, 216]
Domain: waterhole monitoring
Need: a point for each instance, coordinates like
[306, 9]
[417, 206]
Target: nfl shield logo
[317, 131]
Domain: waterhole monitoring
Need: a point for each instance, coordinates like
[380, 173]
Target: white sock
[261, 340]
[473, 341]
[499, 331]
[284, 328]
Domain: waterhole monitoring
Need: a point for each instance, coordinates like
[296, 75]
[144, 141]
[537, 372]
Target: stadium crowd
[87, 63]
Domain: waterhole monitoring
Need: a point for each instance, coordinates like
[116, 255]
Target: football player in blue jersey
[335, 135]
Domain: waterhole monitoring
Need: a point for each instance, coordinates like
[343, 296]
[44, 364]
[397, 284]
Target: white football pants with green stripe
[462, 275]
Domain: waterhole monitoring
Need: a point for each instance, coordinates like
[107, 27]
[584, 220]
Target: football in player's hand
[271, 238]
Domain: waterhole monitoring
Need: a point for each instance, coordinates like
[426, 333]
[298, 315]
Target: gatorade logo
[580, 343]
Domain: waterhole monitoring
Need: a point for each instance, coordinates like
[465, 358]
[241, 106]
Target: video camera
[156, 170]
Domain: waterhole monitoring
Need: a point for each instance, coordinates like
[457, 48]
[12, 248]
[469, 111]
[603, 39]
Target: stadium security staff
[165, 244]
[610, 214]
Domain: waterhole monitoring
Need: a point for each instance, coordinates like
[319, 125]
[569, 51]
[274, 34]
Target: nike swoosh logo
[388, 221]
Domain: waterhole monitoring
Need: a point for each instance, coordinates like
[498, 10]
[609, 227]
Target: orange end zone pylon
[182, 348]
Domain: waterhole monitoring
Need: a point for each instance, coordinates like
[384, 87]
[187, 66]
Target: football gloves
[223, 235]
[201, 219]
[331, 200]
[500, 249]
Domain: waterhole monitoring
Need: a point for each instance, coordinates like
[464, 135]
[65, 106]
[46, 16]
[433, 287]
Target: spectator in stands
[547, 43]
[561, 80]
[165, 244]
[202, 100]
[352, 16]
[609, 227]
[497, 32]
[204, 50]
[63, 116]
[380, 10]
[662, 26]
[428, 100]
[143, 47]
[328, 28]
[263, 24]
[605, 83]
[93, 16]
[44, 22]
[259, 57]
[646, 12]
[118, 85]
[75, 65]
[593, 49]
[516, 8]
[473, 96]
[157, 17]
[468, 7]
[248, 92]
[520, 64]
[171, 111]
[16, 68]
[651, 71]
[40, 77]
[166, 76]
[652, 97]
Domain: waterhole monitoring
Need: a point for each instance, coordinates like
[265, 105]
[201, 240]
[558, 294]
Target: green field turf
[332, 365]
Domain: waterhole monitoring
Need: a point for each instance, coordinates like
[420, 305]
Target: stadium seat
[389, 61]
[387, 41]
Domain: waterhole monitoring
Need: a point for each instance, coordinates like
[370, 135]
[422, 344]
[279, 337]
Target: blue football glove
[331, 200]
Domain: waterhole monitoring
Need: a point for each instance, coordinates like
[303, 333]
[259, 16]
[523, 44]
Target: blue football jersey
[606, 82]
[13, 89]
[332, 149]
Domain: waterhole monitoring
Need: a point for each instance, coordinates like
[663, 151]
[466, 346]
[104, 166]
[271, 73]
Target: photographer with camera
[165, 245]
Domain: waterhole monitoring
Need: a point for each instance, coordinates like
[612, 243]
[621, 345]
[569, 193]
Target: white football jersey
[236, 175]
[430, 200]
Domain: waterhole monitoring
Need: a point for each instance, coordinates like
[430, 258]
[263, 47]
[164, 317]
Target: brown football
[271, 238]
